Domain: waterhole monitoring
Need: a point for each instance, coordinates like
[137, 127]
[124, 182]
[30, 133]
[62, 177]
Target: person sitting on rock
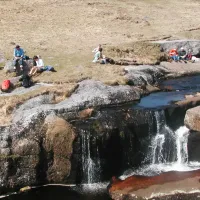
[18, 56]
[38, 65]
[98, 55]
[189, 55]
[182, 54]
[173, 54]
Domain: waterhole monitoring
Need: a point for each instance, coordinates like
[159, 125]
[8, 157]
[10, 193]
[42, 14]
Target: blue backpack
[48, 68]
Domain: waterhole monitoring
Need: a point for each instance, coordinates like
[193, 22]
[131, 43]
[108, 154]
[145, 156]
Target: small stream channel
[166, 148]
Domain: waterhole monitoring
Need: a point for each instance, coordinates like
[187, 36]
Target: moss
[121, 134]
[96, 126]
[13, 157]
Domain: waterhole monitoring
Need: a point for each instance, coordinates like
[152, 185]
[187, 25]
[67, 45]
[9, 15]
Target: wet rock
[186, 44]
[192, 118]
[164, 186]
[193, 146]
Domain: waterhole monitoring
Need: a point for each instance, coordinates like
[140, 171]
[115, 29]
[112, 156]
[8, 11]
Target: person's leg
[35, 71]
[32, 70]
[21, 63]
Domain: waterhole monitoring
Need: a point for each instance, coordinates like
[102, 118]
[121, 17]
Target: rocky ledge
[164, 186]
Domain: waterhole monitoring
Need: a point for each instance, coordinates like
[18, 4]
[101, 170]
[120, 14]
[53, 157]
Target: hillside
[64, 32]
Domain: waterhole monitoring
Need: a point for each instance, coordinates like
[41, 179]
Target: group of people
[38, 64]
[181, 55]
[19, 57]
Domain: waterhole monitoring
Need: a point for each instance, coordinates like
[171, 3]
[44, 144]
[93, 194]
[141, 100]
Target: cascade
[168, 146]
[181, 143]
[90, 166]
[163, 146]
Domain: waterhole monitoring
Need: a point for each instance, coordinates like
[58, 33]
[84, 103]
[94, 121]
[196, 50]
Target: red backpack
[5, 85]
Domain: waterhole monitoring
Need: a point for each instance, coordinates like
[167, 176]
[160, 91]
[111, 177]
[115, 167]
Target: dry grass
[65, 32]
[139, 52]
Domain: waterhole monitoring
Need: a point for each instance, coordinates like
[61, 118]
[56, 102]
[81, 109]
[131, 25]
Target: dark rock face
[163, 186]
[186, 44]
[193, 146]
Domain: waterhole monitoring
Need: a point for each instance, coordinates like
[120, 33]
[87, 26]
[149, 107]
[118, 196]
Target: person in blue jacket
[18, 56]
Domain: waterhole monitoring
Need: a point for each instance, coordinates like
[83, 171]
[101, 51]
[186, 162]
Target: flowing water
[91, 168]
[167, 151]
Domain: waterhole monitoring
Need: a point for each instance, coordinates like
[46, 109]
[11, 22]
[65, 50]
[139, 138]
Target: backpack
[5, 85]
[48, 68]
[26, 81]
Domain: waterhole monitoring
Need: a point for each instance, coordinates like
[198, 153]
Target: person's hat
[17, 46]
[182, 48]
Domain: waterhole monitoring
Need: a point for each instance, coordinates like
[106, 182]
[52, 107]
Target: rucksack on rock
[5, 85]
[26, 81]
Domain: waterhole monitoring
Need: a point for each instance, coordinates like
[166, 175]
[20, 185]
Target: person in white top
[95, 50]
[37, 65]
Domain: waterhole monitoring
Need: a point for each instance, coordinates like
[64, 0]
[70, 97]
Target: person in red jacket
[173, 54]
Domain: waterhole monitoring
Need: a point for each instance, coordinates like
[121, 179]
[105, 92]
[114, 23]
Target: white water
[89, 166]
[181, 144]
[161, 157]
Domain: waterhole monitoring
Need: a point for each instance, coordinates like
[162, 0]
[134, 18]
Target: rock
[162, 186]
[27, 64]
[58, 145]
[193, 101]
[189, 96]
[9, 67]
[89, 94]
[85, 113]
[193, 146]
[143, 74]
[186, 44]
[24, 189]
[192, 118]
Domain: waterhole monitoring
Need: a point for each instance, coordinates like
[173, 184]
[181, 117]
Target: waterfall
[181, 144]
[163, 143]
[168, 146]
[168, 150]
[90, 166]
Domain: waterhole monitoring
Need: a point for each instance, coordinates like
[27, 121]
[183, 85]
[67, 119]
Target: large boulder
[58, 142]
[9, 67]
[143, 74]
[192, 118]
[186, 44]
